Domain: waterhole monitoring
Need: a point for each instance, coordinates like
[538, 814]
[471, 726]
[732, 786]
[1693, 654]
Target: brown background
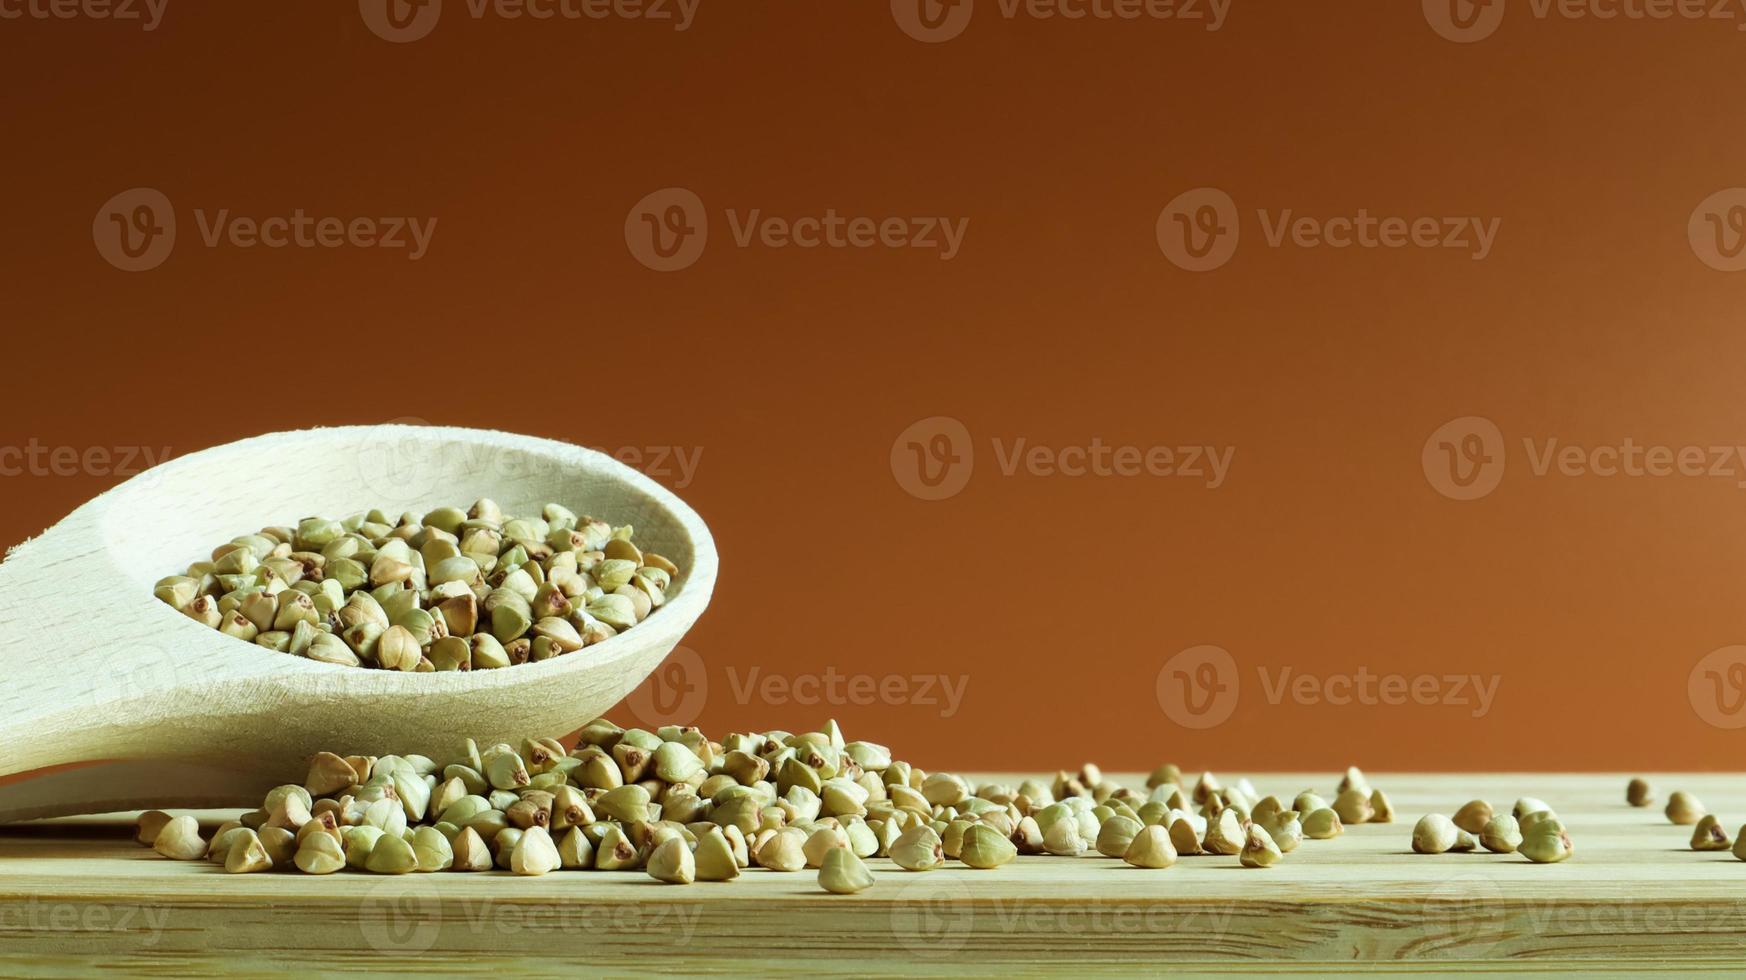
[1056, 600]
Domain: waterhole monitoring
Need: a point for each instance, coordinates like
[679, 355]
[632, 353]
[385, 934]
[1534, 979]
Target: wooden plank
[76, 896]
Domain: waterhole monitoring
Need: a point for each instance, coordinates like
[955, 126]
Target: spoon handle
[80, 669]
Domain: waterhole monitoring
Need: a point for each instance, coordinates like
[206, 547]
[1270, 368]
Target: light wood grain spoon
[96, 668]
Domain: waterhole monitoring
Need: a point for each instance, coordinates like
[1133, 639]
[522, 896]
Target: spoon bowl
[99, 670]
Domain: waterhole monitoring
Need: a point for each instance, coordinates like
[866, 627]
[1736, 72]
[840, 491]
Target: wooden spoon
[96, 668]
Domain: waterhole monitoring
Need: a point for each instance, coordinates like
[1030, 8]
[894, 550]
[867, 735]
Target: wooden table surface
[78, 897]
